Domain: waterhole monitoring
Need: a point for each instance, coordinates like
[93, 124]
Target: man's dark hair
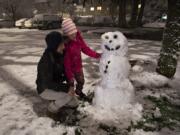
[53, 40]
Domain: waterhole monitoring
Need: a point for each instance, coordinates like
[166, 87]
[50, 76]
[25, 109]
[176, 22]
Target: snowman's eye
[115, 36]
[106, 37]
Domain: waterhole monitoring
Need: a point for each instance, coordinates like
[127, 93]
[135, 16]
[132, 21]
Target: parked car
[47, 21]
[103, 20]
[29, 23]
[6, 23]
[20, 23]
[84, 20]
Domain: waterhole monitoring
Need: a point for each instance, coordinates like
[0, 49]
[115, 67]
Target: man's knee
[73, 103]
[53, 107]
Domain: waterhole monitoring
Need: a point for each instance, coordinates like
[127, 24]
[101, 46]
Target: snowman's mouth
[112, 49]
[107, 48]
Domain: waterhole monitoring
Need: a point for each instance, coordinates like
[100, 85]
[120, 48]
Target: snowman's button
[109, 62]
[112, 49]
[105, 71]
[106, 66]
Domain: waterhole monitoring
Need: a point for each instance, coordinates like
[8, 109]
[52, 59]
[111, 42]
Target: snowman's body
[115, 91]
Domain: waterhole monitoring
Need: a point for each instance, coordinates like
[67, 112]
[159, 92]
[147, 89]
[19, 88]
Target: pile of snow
[137, 68]
[149, 79]
[142, 132]
[121, 118]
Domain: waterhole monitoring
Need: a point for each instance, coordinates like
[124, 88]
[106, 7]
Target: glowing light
[164, 16]
[92, 8]
[139, 6]
[99, 8]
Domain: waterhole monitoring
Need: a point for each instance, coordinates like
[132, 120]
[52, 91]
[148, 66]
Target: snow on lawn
[149, 79]
[23, 112]
[155, 25]
[141, 132]
[16, 30]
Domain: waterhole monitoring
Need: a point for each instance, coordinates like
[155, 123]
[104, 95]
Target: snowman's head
[114, 43]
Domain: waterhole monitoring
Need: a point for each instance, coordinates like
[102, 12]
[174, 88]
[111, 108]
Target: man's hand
[71, 91]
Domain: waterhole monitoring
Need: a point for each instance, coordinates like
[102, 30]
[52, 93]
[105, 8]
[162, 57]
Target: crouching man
[51, 80]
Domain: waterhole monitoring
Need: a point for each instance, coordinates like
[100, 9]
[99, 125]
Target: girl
[73, 60]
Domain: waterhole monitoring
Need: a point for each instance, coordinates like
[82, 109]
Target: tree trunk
[112, 11]
[122, 13]
[167, 62]
[141, 12]
[134, 13]
[13, 14]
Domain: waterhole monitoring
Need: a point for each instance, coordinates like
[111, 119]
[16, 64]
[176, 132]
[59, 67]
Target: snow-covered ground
[155, 25]
[22, 112]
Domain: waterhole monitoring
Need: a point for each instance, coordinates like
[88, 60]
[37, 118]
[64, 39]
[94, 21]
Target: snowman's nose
[110, 41]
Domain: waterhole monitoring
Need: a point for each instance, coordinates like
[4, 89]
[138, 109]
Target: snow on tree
[15, 9]
[167, 62]
[154, 9]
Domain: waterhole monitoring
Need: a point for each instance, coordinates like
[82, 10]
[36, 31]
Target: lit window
[99, 8]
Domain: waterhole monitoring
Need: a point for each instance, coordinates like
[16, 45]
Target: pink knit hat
[68, 27]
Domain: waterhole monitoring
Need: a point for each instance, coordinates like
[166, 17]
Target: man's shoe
[82, 96]
[52, 115]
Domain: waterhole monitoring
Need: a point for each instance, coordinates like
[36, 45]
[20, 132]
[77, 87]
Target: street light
[99, 8]
[4, 14]
[92, 9]
[139, 6]
[35, 11]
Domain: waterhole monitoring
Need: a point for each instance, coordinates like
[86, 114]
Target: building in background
[48, 6]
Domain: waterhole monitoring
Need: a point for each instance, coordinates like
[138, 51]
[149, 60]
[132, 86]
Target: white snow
[155, 25]
[149, 79]
[137, 68]
[16, 30]
[141, 132]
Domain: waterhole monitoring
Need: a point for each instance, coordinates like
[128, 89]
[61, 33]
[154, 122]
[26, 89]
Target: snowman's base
[110, 97]
[115, 104]
[116, 116]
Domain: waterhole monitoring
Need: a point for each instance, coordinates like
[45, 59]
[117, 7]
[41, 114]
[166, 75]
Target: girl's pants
[80, 81]
[58, 100]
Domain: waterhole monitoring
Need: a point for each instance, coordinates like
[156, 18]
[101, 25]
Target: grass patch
[170, 116]
[111, 130]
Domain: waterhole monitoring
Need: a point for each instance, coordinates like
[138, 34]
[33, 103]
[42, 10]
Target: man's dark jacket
[51, 73]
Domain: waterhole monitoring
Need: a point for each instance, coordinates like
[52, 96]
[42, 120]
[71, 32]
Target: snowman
[115, 91]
